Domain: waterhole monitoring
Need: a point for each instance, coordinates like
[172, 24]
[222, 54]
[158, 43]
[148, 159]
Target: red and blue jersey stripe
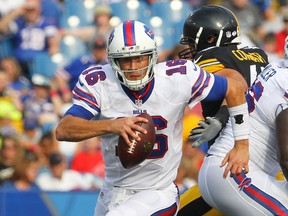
[89, 99]
[200, 85]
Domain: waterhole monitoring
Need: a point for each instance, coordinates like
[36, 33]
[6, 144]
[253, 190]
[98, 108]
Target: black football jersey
[249, 61]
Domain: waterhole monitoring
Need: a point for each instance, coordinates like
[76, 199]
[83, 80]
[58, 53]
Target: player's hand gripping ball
[136, 153]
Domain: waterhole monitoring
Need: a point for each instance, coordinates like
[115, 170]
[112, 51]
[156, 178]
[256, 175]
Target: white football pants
[255, 193]
[115, 201]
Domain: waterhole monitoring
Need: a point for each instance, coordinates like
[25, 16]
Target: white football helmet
[132, 38]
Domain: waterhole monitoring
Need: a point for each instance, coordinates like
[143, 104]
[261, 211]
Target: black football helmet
[209, 26]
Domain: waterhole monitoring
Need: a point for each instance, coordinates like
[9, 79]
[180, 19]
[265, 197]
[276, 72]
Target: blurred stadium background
[164, 17]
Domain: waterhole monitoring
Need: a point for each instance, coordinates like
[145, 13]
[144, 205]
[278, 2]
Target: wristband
[222, 115]
[240, 121]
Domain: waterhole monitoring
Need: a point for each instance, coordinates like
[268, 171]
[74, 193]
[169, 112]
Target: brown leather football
[135, 154]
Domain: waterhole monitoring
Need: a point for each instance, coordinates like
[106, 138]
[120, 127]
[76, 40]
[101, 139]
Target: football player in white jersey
[257, 192]
[107, 99]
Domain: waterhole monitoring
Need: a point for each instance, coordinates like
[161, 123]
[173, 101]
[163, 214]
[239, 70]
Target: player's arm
[53, 45]
[237, 159]
[8, 18]
[61, 83]
[213, 125]
[222, 114]
[232, 74]
[77, 126]
[282, 141]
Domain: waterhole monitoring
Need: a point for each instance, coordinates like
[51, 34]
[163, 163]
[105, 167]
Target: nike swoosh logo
[196, 60]
[81, 84]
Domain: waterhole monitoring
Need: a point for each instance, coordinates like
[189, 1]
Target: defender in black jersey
[213, 35]
[248, 61]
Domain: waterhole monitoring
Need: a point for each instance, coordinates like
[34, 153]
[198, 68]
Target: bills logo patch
[149, 32]
[111, 37]
[245, 183]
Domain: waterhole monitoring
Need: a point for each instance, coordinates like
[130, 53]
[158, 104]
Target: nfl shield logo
[228, 34]
[149, 32]
[138, 102]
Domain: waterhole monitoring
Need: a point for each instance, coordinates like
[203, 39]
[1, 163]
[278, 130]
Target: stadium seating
[173, 13]
[174, 10]
[164, 32]
[72, 47]
[77, 13]
[5, 47]
[131, 10]
[43, 64]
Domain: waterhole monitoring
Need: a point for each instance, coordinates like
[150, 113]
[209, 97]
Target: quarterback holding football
[108, 101]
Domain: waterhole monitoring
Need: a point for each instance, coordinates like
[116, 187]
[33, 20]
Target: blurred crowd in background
[45, 45]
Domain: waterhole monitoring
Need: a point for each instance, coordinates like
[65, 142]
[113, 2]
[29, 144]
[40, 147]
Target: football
[133, 155]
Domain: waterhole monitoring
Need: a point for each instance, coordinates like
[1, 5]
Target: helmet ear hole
[211, 39]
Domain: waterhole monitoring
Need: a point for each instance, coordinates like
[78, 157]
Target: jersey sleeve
[218, 90]
[49, 28]
[272, 81]
[86, 95]
[203, 83]
[281, 84]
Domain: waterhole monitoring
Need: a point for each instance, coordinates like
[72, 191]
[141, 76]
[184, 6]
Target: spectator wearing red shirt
[89, 158]
[280, 36]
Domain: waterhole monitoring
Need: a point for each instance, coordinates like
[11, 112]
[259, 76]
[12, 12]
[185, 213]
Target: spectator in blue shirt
[52, 10]
[32, 33]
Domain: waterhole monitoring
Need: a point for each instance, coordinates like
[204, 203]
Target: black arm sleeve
[223, 115]
[282, 141]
